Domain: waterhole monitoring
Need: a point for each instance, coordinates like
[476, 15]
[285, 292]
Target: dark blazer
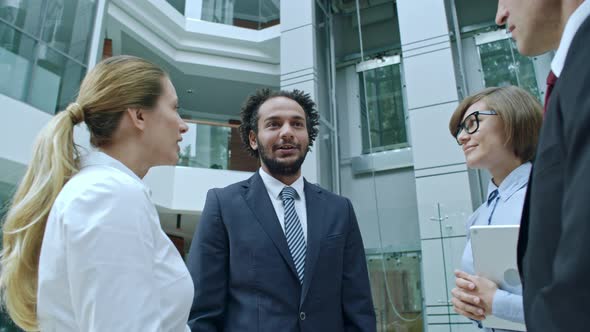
[554, 243]
[244, 276]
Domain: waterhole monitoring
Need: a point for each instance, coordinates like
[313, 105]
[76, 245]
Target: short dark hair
[251, 106]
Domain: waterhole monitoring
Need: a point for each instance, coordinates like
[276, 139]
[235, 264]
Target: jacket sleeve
[357, 302]
[208, 263]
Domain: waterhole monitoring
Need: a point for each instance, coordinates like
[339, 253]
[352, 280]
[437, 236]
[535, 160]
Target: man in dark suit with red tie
[275, 252]
[554, 241]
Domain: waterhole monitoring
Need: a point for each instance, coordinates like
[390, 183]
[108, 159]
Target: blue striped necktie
[493, 199]
[294, 231]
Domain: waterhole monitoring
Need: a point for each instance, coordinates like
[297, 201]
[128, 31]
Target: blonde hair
[520, 112]
[114, 85]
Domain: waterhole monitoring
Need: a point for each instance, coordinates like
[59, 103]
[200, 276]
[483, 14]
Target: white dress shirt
[572, 26]
[274, 188]
[106, 264]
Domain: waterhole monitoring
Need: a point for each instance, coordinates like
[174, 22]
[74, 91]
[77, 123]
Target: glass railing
[214, 145]
[396, 289]
[179, 5]
[250, 14]
[43, 64]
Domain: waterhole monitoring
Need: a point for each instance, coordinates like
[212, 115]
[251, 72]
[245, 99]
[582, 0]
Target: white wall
[184, 189]
[20, 125]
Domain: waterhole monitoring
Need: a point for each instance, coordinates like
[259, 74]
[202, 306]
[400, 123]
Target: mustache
[278, 146]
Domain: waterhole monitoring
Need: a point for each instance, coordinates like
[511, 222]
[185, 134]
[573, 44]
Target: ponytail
[111, 87]
[54, 162]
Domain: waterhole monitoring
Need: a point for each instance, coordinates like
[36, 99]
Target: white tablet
[494, 257]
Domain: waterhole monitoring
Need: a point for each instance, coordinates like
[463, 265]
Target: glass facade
[179, 5]
[44, 50]
[251, 14]
[503, 65]
[206, 145]
[397, 291]
[382, 109]
[214, 145]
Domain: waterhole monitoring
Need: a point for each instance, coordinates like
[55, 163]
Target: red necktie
[551, 79]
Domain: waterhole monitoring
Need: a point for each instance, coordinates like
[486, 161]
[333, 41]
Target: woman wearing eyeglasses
[498, 129]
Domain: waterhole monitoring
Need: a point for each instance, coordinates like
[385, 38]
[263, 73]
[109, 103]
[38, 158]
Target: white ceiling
[211, 98]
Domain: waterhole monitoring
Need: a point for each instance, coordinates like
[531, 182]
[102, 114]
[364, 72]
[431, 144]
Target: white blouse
[106, 264]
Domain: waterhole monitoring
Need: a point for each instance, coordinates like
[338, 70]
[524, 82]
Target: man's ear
[253, 140]
[137, 117]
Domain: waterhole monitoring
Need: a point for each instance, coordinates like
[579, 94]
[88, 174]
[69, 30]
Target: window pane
[68, 26]
[179, 5]
[525, 71]
[55, 80]
[16, 59]
[383, 112]
[251, 14]
[503, 65]
[25, 14]
[205, 146]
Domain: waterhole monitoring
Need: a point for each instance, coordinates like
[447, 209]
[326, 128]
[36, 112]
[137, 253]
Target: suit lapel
[314, 200]
[257, 199]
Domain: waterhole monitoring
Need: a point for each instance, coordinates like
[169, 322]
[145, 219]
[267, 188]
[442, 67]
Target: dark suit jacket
[554, 243]
[244, 276]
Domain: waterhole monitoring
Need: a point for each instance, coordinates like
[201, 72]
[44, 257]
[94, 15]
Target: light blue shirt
[503, 207]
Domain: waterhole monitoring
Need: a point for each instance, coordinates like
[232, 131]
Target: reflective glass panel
[383, 112]
[25, 14]
[205, 146]
[503, 65]
[396, 290]
[179, 5]
[55, 80]
[16, 60]
[68, 26]
[250, 14]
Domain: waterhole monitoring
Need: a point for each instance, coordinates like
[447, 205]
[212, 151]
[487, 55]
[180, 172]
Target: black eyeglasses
[471, 123]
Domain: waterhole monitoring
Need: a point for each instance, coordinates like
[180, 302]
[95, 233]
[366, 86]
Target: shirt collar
[571, 27]
[99, 158]
[274, 186]
[517, 179]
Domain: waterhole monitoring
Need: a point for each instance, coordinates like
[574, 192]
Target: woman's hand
[476, 287]
[464, 302]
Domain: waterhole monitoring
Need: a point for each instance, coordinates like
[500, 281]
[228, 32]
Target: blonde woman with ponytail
[83, 247]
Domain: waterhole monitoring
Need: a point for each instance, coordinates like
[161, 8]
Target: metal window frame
[492, 36]
[378, 63]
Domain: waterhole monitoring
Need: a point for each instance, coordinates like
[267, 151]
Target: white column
[193, 9]
[442, 183]
[298, 62]
[94, 55]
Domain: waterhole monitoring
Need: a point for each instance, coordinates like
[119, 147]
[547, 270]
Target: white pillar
[193, 9]
[442, 183]
[298, 62]
[94, 54]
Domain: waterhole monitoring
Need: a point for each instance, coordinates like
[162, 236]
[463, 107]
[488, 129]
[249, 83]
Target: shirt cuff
[508, 306]
[477, 323]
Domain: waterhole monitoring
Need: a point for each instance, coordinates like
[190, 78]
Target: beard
[276, 167]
